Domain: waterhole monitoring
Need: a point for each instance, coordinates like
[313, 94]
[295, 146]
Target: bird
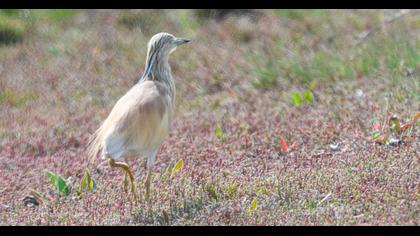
[140, 120]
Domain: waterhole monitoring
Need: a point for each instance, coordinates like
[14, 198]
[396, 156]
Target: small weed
[178, 167]
[87, 183]
[298, 98]
[232, 190]
[261, 190]
[212, 191]
[59, 183]
[396, 132]
[252, 207]
[308, 96]
[310, 204]
[219, 133]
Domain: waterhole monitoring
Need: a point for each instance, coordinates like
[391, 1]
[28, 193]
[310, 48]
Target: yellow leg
[125, 182]
[128, 172]
[149, 176]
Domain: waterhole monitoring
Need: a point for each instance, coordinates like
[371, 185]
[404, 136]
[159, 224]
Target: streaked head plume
[158, 50]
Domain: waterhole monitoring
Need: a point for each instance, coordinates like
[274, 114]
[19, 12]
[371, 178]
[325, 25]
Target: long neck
[160, 70]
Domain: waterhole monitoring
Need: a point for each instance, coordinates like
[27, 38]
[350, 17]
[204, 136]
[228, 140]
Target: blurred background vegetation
[269, 48]
[264, 50]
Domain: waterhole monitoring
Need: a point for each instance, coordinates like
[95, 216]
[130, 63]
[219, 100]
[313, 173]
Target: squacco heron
[139, 121]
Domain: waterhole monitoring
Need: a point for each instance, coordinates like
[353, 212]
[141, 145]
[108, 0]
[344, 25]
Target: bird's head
[159, 48]
[164, 43]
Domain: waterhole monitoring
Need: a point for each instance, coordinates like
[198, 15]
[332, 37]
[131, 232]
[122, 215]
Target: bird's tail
[94, 145]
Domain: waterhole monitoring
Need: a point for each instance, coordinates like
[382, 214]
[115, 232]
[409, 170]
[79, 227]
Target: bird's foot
[128, 173]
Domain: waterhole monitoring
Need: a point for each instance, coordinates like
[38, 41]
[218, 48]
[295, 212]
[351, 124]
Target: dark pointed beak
[180, 41]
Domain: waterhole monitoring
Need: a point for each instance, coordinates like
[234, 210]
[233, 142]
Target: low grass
[12, 98]
[53, 15]
[16, 23]
[142, 19]
[274, 119]
[12, 30]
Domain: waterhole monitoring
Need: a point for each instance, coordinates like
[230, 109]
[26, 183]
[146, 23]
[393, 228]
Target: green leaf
[178, 166]
[90, 181]
[308, 96]
[61, 183]
[53, 178]
[394, 124]
[219, 133]
[66, 190]
[252, 207]
[211, 190]
[86, 182]
[92, 184]
[296, 98]
[254, 204]
[63, 187]
[375, 134]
